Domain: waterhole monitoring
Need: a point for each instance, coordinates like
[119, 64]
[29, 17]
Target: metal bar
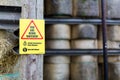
[13, 16]
[78, 21]
[76, 51]
[104, 35]
[8, 26]
[10, 8]
[16, 17]
[8, 13]
[81, 52]
[9, 16]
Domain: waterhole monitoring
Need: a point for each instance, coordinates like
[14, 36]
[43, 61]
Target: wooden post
[31, 66]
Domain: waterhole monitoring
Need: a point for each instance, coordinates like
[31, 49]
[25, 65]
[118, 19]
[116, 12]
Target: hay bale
[58, 7]
[57, 44]
[84, 67]
[114, 71]
[57, 67]
[110, 44]
[57, 59]
[112, 61]
[113, 40]
[84, 44]
[114, 33]
[58, 31]
[7, 42]
[7, 56]
[56, 72]
[113, 9]
[84, 31]
[87, 8]
[7, 64]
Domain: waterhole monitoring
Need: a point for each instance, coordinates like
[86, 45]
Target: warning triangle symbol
[32, 32]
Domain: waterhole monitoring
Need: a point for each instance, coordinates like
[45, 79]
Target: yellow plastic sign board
[32, 36]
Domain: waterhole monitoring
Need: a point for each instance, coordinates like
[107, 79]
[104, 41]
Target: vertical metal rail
[105, 56]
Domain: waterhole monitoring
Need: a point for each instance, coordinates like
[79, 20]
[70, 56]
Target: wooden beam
[32, 65]
[11, 2]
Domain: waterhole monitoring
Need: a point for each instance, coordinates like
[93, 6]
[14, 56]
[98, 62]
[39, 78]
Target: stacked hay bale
[58, 36]
[86, 8]
[114, 61]
[84, 67]
[59, 8]
[113, 9]
[57, 67]
[8, 58]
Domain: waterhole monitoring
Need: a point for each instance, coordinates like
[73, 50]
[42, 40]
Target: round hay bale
[113, 9]
[114, 62]
[111, 59]
[58, 7]
[84, 44]
[110, 44]
[56, 72]
[57, 59]
[57, 67]
[87, 8]
[84, 67]
[57, 44]
[113, 70]
[58, 31]
[114, 33]
[86, 58]
[84, 31]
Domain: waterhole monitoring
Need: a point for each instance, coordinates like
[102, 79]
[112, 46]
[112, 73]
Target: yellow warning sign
[32, 36]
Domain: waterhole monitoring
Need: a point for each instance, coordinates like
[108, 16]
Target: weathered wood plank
[40, 9]
[11, 2]
[9, 16]
[29, 67]
[8, 26]
[32, 65]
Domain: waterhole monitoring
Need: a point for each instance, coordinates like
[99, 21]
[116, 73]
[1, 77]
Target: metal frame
[104, 23]
[104, 37]
[79, 21]
[76, 51]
